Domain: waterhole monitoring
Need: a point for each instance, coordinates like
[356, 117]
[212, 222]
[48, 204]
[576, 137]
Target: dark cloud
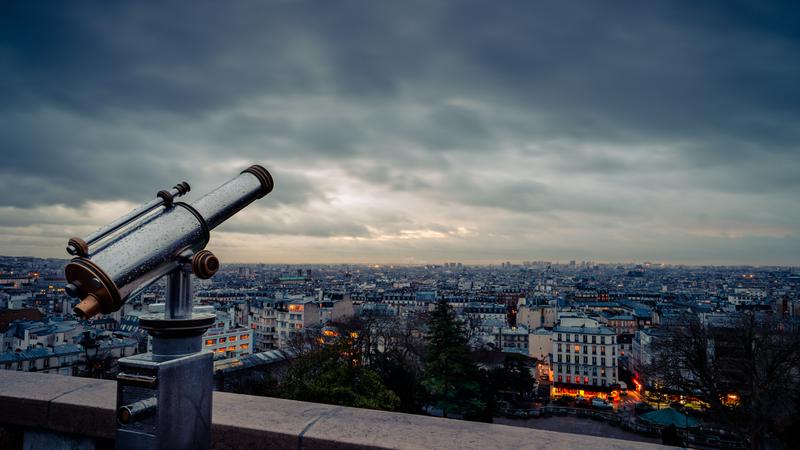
[538, 108]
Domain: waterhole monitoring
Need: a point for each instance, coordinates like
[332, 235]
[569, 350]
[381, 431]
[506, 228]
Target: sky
[413, 132]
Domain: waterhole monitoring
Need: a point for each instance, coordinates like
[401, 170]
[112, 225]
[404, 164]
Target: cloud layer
[413, 131]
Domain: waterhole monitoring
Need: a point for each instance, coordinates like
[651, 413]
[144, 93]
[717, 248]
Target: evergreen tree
[451, 379]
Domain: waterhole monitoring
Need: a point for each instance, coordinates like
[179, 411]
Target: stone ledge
[86, 407]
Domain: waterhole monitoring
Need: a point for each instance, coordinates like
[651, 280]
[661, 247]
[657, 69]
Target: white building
[584, 357]
[226, 339]
[513, 340]
[540, 344]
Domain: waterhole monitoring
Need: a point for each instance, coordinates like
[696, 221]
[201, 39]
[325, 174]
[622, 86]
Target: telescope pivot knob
[204, 264]
[77, 247]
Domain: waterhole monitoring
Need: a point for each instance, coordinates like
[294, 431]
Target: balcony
[52, 411]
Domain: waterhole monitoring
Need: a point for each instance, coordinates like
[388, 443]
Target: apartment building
[584, 358]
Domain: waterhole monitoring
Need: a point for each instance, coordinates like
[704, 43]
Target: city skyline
[414, 133]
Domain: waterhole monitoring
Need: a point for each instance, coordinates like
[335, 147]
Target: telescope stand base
[164, 396]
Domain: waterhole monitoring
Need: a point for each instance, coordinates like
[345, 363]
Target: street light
[90, 348]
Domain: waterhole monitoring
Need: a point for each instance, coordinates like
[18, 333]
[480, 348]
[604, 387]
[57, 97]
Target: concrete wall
[39, 406]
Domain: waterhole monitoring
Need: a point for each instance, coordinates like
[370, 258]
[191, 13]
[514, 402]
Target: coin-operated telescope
[163, 396]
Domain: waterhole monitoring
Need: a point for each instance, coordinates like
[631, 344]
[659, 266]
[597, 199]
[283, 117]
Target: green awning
[670, 416]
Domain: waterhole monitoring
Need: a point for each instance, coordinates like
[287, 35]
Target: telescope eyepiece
[88, 307]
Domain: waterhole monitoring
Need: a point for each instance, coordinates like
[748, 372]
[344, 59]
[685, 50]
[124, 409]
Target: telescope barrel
[80, 247]
[219, 205]
[133, 259]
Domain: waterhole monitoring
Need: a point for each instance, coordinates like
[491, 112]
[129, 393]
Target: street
[627, 403]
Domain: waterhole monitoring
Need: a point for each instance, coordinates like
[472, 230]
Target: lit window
[220, 350]
[211, 341]
[222, 339]
[232, 348]
[231, 338]
[244, 346]
[244, 336]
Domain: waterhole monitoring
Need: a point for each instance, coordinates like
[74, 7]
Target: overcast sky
[413, 132]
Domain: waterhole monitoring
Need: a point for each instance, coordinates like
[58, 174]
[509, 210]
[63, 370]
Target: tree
[333, 373]
[451, 379]
[514, 376]
[745, 370]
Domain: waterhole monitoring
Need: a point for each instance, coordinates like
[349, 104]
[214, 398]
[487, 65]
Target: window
[232, 348]
[244, 336]
[593, 337]
[211, 341]
[584, 338]
[585, 350]
[220, 350]
[602, 350]
[602, 362]
[577, 349]
[602, 339]
[19, 365]
[559, 378]
[559, 336]
[594, 360]
[46, 363]
[586, 360]
[569, 379]
[569, 359]
[244, 346]
[559, 347]
[221, 340]
[594, 349]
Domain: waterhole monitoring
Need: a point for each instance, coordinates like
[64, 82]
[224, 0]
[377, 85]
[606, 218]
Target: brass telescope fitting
[89, 307]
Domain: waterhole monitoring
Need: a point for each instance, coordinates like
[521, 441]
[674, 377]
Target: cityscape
[520, 321]
[427, 224]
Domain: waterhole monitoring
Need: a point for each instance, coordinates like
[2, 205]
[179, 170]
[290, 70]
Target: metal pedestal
[164, 396]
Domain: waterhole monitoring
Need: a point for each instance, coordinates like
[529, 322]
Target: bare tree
[745, 370]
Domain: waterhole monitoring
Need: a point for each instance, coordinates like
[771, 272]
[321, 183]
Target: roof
[9, 315]
[670, 416]
[622, 317]
[585, 330]
[40, 352]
